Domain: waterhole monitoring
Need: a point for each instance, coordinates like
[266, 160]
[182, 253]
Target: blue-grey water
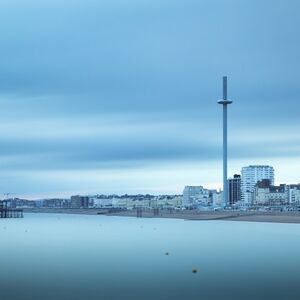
[70, 257]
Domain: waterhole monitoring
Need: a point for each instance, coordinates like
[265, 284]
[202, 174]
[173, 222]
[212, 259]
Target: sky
[119, 96]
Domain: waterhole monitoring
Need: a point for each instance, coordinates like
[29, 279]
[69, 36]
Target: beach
[249, 216]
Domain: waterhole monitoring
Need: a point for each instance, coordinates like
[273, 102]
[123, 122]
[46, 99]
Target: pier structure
[139, 212]
[6, 212]
[156, 212]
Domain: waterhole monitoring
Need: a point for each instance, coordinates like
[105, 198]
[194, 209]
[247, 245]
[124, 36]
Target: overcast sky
[113, 96]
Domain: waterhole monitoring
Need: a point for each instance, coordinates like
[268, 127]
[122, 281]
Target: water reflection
[48, 256]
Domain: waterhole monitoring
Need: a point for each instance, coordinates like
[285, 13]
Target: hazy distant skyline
[121, 96]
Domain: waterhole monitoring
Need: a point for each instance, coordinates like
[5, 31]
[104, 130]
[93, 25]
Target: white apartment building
[102, 202]
[195, 195]
[217, 199]
[294, 194]
[250, 176]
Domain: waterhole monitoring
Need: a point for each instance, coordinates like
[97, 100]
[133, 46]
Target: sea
[83, 257]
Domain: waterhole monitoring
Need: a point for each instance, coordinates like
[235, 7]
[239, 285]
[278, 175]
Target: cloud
[89, 84]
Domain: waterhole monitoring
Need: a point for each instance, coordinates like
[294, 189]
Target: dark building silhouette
[79, 201]
[234, 189]
[263, 184]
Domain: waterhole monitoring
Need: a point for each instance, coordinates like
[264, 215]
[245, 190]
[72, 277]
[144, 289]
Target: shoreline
[189, 215]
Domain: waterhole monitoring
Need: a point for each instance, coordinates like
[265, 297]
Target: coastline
[269, 217]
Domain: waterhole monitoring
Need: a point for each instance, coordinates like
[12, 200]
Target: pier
[6, 212]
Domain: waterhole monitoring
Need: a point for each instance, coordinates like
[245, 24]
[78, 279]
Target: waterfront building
[294, 194]
[217, 199]
[53, 203]
[166, 201]
[234, 189]
[104, 202]
[250, 176]
[79, 201]
[195, 196]
[120, 202]
[22, 203]
[266, 194]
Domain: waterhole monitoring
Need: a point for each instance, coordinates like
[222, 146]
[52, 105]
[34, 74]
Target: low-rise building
[195, 196]
[217, 199]
[166, 201]
[102, 202]
[266, 194]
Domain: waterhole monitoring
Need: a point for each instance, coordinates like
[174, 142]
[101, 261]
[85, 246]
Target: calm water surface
[70, 257]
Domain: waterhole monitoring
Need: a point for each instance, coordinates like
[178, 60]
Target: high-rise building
[250, 176]
[234, 189]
